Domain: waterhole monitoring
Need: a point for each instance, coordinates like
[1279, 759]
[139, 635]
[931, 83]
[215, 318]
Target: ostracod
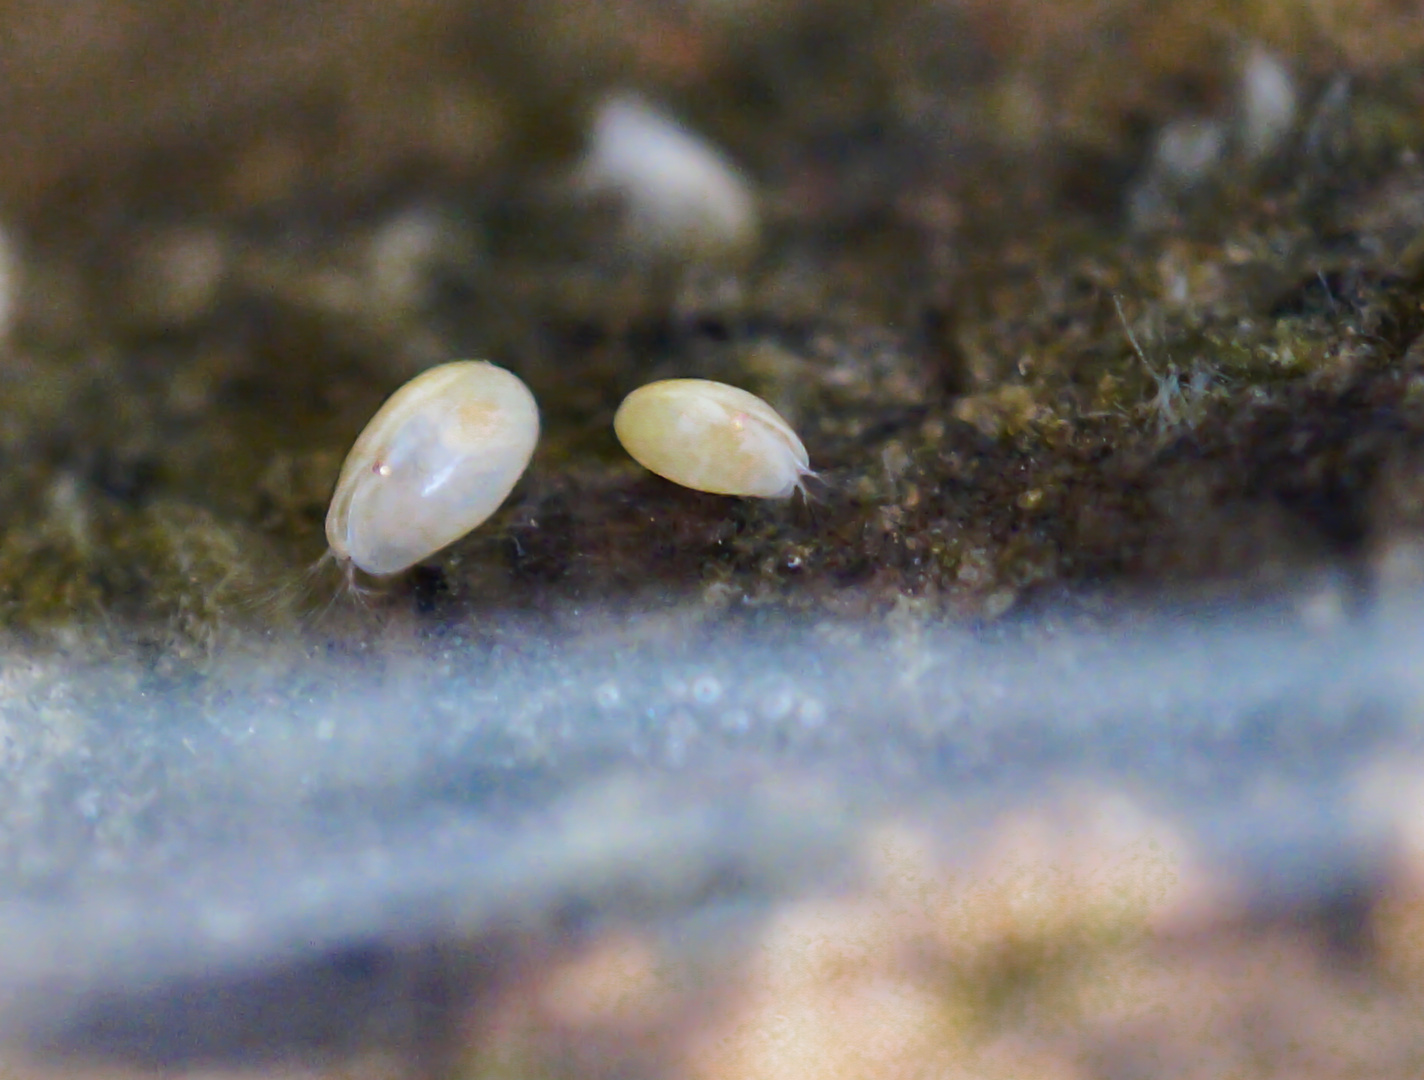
[437, 459]
[712, 437]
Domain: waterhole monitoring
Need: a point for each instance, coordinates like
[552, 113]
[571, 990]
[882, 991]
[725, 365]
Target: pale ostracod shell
[436, 460]
[712, 437]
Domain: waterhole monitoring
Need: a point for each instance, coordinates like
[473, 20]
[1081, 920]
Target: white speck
[88, 804]
[1268, 105]
[682, 197]
[706, 690]
[607, 696]
[403, 252]
[777, 704]
[1187, 151]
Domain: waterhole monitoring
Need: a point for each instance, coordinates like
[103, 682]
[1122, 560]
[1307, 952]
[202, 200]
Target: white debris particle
[1268, 105]
[404, 252]
[1187, 151]
[706, 690]
[682, 197]
[777, 704]
[607, 696]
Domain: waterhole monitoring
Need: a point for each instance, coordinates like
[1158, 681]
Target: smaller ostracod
[437, 459]
[712, 437]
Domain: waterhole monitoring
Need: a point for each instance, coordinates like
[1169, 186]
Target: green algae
[1009, 389]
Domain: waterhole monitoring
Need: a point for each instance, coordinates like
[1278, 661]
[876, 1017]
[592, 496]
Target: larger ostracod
[436, 460]
[711, 437]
